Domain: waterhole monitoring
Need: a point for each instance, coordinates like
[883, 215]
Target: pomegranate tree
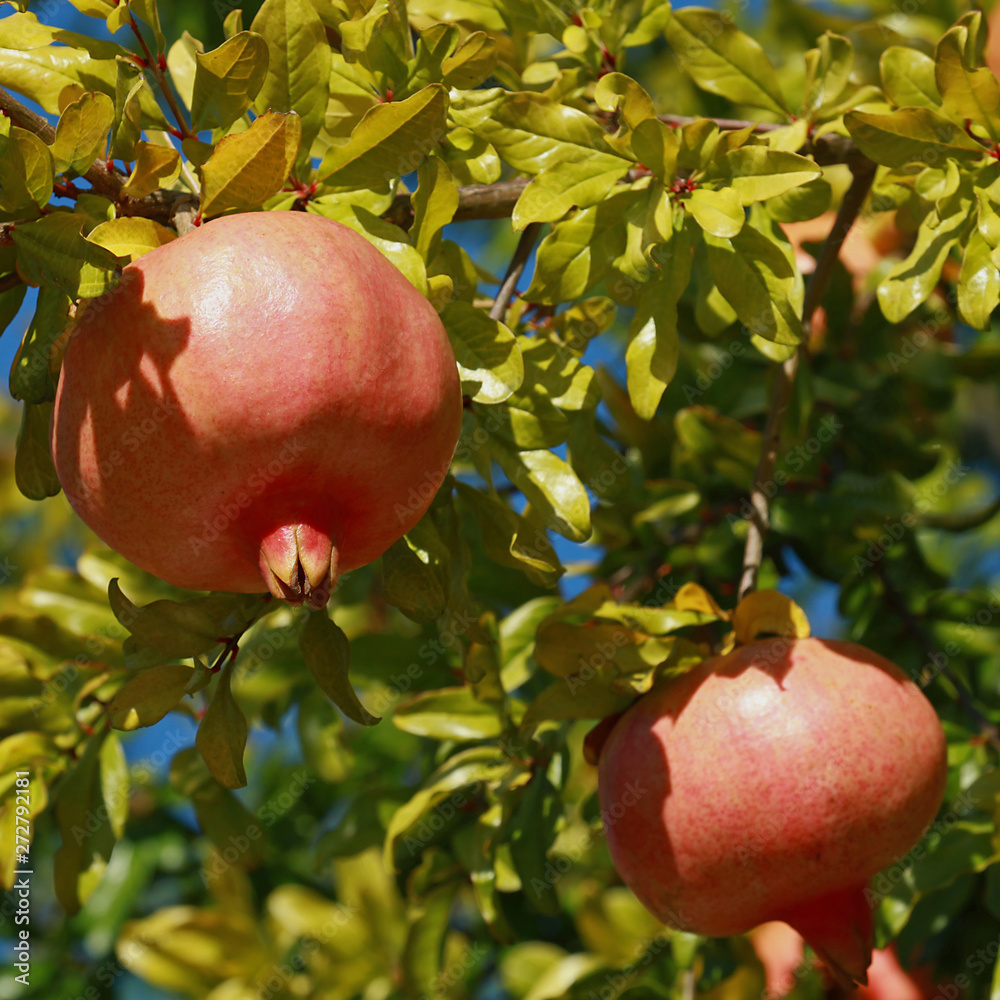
[771, 784]
[263, 403]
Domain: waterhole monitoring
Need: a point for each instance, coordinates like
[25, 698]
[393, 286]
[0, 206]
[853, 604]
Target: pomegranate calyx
[299, 564]
[839, 927]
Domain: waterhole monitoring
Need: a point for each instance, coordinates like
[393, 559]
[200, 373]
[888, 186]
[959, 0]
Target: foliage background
[911, 401]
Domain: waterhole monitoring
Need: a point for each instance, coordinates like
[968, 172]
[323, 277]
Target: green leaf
[654, 346]
[566, 185]
[533, 829]
[26, 174]
[656, 146]
[472, 62]
[416, 574]
[474, 766]
[488, 357]
[967, 92]
[530, 419]
[82, 133]
[183, 65]
[759, 173]
[31, 373]
[908, 78]
[222, 734]
[391, 140]
[173, 629]
[619, 93]
[391, 241]
[978, 283]
[718, 212]
[380, 40]
[327, 655]
[34, 471]
[593, 698]
[129, 86]
[298, 67]
[51, 251]
[723, 60]
[911, 135]
[578, 253]
[434, 204]
[149, 696]
[828, 72]
[448, 714]
[551, 487]
[116, 784]
[470, 157]
[755, 278]
[510, 539]
[84, 823]
[912, 280]
[530, 131]
[249, 167]
[227, 80]
[650, 24]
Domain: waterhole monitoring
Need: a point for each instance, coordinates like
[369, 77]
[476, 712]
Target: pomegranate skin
[771, 784]
[262, 403]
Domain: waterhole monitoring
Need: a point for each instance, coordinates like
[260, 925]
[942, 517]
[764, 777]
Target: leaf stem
[781, 391]
[517, 264]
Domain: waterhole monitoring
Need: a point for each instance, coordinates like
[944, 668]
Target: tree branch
[781, 391]
[515, 270]
[9, 281]
[475, 201]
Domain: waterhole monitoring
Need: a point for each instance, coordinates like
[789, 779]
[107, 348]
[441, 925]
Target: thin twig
[987, 729]
[516, 269]
[153, 64]
[781, 391]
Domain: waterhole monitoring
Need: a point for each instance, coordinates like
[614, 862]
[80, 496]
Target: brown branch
[475, 201]
[9, 281]
[515, 270]
[781, 391]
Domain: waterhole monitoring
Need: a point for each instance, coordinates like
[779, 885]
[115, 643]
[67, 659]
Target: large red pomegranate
[771, 784]
[263, 403]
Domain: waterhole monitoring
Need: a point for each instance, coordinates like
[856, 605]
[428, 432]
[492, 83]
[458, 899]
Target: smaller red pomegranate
[263, 403]
[771, 784]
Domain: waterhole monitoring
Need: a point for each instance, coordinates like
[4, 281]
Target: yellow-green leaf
[391, 140]
[489, 360]
[149, 696]
[722, 59]
[82, 133]
[768, 612]
[248, 168]
[298, 67]
[227, 80]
